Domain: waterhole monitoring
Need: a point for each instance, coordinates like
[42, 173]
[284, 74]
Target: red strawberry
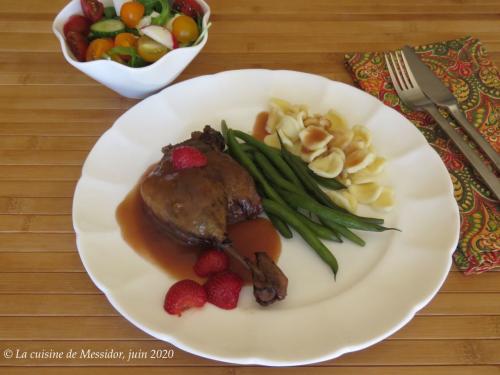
[78, 44]
[183, 295]
[77, 23]
[211, 261]
[188, 157]
[223, 289]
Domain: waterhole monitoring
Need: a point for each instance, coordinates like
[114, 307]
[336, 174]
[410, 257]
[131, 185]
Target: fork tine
[411, 77]
[397, 72]
[391, 70]
[403, 70]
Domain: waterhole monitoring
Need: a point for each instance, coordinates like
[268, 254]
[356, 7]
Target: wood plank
[60, 143]
[281, 42]
[41, 262]
[37, 242]
[43, 206]
[294, 6]
[386, 353]
[36, 223]
[42, 157]
[55, 305]
[63, 128]
[63, 103]
[293, 25]
[45, 189]
[450, 304]
[56, 283]
[247, 370]
[40, 172]
[35, 62]
[458, 282]
[63, 115]
[117, 328]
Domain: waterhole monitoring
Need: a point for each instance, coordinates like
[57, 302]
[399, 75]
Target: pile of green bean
[292, 197]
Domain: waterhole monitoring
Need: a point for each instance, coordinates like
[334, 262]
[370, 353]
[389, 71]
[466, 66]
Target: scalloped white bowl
[379, 287]
[135, 83]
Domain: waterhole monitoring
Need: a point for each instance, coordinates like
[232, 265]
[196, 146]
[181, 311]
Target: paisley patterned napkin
[462, 64]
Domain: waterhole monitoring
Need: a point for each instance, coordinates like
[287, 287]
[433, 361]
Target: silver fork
[408, 90]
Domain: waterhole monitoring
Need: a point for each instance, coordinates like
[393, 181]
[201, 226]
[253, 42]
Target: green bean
[288, 215]
[321, 195]
[271, 153]
[319, 230]
[329, 183]
[303, 175]
[245, 161]
[344, 232]
[247, 148]
[280, 225]
[346, 219]
[273, 175]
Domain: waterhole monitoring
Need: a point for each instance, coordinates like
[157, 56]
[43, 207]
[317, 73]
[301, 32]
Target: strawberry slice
[210, 262]
[223, 289]
[188, 157]
[184, 295]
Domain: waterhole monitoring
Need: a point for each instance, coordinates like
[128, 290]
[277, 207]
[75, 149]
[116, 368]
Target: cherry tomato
[93, 9]
[150, 50]
[185, 29]
[125, 40]
[131, 13]
[78, 44]
[189, 7]
[98, 47]
[77, 23]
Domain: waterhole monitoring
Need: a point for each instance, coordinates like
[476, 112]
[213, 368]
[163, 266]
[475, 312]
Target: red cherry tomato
[78, 44]
[93, 9]
[77, 23]
[189, 7]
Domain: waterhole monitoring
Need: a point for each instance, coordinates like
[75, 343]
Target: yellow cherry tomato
[98, 47]
[149, 49]
[131, 13]
[125, 40]
[185, 29]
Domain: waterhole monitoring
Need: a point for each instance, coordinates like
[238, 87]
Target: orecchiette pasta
[333, 150]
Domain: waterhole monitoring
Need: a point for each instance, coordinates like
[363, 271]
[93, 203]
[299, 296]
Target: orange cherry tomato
[185, 29]
[131, 13]
[125, 40]
[98, 47]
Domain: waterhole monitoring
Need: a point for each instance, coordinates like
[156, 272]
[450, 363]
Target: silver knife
[437, 92]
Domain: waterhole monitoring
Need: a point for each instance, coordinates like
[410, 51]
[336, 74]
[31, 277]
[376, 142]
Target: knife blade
[428, 82]
[438, 93]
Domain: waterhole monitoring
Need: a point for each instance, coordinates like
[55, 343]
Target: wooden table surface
[51, 115]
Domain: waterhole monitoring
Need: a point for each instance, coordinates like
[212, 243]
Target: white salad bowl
[135, 83]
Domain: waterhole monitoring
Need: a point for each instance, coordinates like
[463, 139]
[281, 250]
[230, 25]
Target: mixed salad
[140, 33]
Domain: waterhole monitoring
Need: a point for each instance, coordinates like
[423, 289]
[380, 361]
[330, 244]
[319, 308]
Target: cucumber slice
[107, 28]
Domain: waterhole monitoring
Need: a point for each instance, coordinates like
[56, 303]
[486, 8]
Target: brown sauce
[178, 260]
[315, 135]
[259, 128]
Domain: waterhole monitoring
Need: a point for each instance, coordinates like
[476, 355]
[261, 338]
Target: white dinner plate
[379, 287]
